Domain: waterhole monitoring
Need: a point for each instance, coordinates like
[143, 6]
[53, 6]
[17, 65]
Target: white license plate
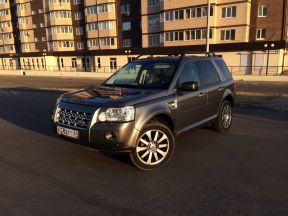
[68, 132]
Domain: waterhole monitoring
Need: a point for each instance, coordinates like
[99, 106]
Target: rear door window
[207, 73]
[223, 67]
[189, 73]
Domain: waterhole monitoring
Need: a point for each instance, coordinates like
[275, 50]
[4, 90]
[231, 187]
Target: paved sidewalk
[279, 103]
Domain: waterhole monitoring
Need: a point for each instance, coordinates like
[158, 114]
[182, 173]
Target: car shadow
[31, 109]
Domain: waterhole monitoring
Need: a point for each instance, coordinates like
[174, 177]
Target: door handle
[201, 94]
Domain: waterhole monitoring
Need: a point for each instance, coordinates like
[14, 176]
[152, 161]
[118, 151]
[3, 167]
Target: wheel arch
[162, 116]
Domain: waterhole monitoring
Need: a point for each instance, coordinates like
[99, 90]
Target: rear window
[225, 71]
[207, 73]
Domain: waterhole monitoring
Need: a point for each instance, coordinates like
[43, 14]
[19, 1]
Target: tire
[154, 147]
[224, 120]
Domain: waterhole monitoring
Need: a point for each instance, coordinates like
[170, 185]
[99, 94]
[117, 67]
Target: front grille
[74, 118]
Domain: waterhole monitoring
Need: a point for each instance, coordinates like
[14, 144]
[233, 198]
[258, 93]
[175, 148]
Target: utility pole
[208, 27]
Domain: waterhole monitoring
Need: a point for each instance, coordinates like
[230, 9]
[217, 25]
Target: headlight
[124, 114]
[59, 98]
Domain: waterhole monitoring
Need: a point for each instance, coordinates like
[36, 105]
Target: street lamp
[208, 27]
[44, 55]
[268, 56]
[127, 53]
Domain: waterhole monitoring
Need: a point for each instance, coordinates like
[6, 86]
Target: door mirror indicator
[189, 86]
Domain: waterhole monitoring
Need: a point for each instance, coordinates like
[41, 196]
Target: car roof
[174, 59]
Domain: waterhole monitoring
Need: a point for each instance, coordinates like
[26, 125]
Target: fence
[235, 70]
[258, 70]
[102, 69]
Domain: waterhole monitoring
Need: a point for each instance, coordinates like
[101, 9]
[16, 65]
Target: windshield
[143, 75]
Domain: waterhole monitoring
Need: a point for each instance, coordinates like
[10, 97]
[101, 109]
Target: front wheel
[154, 147]
[224, 119]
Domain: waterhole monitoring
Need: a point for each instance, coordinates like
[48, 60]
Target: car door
[191, 104]
[212, 86]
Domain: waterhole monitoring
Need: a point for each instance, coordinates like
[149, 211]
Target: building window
[77, 2]
[154, 40]
[262, 11]
[126, 26]
[100, 26]
[174, 36]
[125, 9]
[198, 12]
[261, 34]
[229, 12]
[78, 16]
[228, 34]
[113, 63]
[79, 31]
[153, 3]
[60, 14]
[101, 42]
[174, 15]
[99, 62]
[198, 34]
[153, 20]
[80, 45]
[127, 42]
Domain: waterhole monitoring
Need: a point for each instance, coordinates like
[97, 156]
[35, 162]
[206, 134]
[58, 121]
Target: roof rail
[208, 54]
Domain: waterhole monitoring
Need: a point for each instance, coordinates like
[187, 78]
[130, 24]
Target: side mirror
[189, 86]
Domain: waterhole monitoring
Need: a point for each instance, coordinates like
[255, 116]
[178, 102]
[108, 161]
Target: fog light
[111, 135]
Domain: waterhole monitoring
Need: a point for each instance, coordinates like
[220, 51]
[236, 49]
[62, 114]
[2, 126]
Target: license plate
[74, 134]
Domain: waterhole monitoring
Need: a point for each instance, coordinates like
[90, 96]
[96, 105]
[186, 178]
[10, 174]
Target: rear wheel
[154, 147]
[224, 119]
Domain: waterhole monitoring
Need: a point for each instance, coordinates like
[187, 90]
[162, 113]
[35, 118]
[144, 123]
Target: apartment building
[101, 35]
[247, 33]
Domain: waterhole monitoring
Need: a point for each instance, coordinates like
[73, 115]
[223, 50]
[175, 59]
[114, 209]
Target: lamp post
[44, 55]
[208, 27]
[127, 53]
[3, 44]
[97, 18]
[268, 55]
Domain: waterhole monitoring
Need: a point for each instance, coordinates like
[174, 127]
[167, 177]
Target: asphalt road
[243, 172]
[62, 82]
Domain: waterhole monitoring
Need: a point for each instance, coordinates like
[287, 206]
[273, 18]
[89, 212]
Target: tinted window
[225, 71]
[207, 73]
[189, 73]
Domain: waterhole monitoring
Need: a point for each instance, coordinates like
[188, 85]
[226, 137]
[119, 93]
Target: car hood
[112, 96]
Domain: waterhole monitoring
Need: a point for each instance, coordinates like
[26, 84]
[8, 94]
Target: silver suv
[142, 108]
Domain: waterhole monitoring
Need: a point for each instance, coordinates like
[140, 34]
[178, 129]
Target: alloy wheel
[226, 116]
[152, 147]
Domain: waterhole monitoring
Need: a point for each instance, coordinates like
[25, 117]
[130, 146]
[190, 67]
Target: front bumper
[107, 137]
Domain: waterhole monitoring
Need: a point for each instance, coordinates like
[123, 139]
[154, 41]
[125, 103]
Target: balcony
[6, 30]
[102, 33]
[6, 18]
[101, 17]
[58, 6]
[62, 49]
[5, 5]
[60, 36]
[59, 21]
[93, 2]
[22, 1]
[27, 39]
[22, 13]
